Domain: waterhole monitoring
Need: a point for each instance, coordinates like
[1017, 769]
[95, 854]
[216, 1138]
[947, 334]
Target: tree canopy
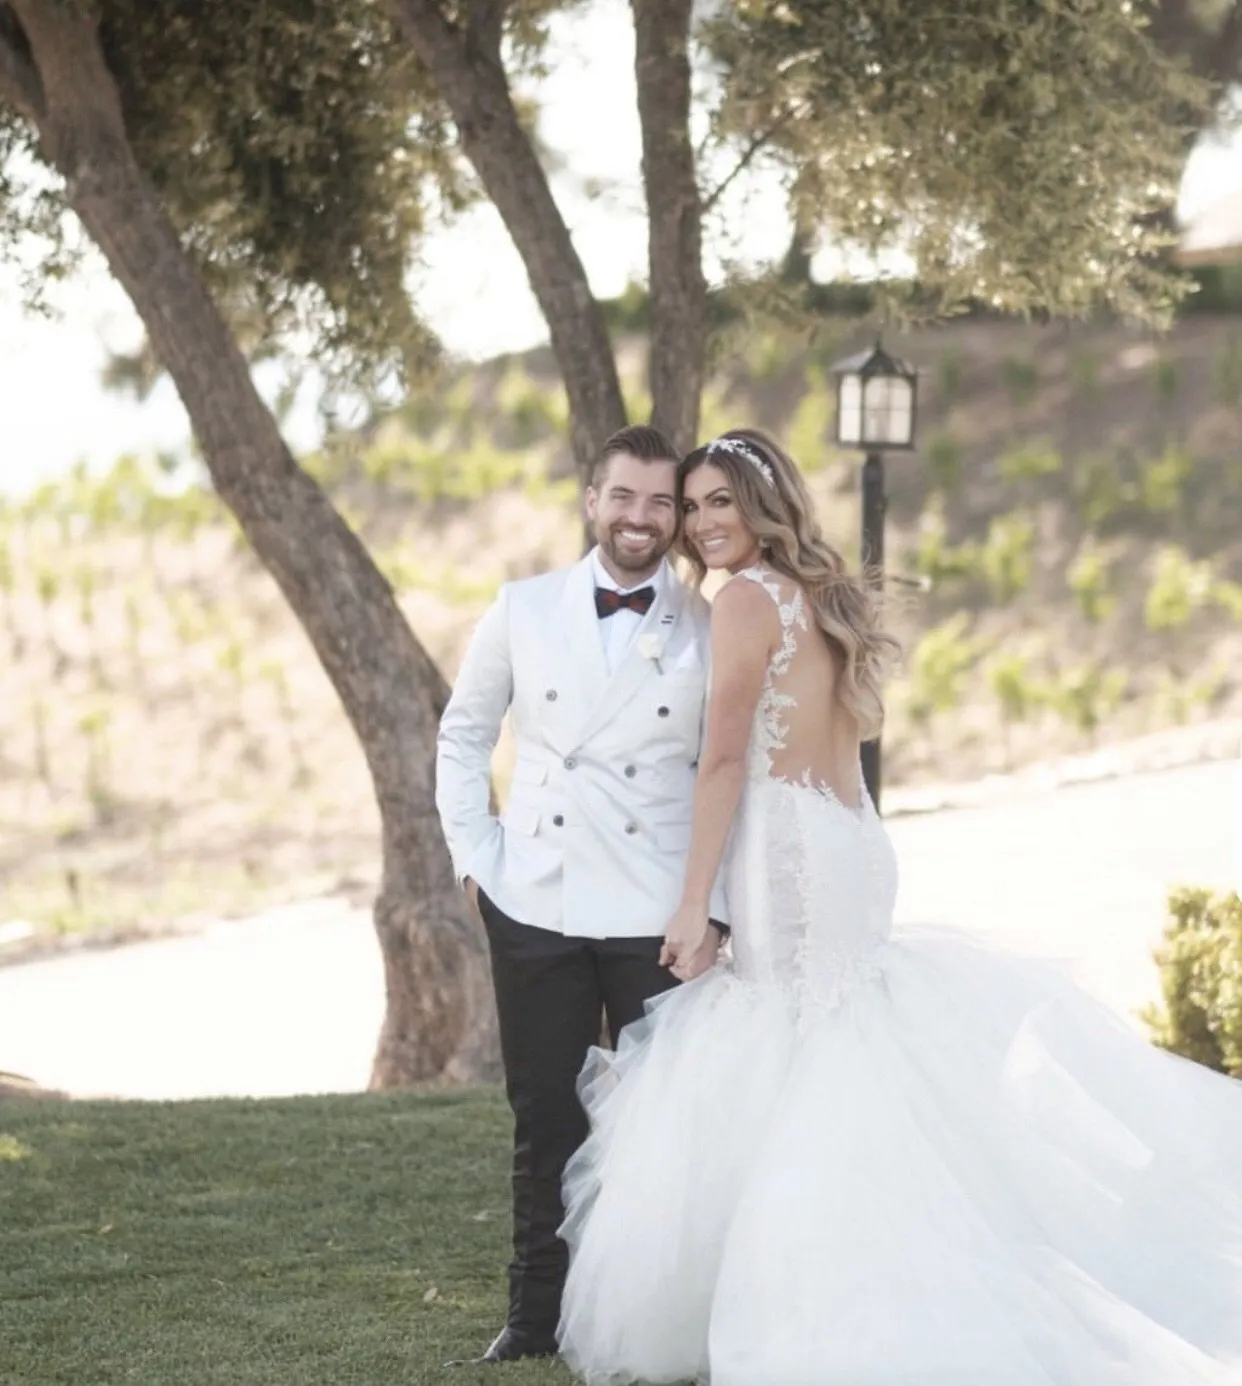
[294, 149]
[1015, 151]
[303, 148]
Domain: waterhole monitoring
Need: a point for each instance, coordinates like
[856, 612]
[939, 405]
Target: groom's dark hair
[638, 440]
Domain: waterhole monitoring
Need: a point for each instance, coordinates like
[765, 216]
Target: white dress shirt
[618, 630]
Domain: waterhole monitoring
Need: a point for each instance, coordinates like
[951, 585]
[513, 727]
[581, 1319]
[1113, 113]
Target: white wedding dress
[850, 1157]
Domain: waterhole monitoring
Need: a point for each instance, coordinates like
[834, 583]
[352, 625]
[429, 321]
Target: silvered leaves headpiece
[740, 449]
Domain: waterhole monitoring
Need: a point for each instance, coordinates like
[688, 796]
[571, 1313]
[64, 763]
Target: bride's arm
[745, 631]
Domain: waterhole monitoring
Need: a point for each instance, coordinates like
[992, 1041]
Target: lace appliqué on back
[769, 731]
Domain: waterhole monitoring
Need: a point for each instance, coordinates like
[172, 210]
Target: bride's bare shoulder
[745, 608]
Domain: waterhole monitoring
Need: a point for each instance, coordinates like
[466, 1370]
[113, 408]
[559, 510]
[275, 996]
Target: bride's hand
[687, 950]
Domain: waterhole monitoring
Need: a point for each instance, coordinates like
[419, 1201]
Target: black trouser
[552, 992]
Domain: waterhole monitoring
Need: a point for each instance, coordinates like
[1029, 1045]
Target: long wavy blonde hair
[774, 502]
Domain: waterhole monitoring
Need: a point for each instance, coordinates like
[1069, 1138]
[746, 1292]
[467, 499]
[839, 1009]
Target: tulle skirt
[967, 1173]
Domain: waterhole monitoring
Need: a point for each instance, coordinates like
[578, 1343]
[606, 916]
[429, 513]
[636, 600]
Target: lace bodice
[812, 879]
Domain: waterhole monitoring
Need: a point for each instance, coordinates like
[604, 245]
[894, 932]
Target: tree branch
[753, 150]
[473, 84]
[19, 78]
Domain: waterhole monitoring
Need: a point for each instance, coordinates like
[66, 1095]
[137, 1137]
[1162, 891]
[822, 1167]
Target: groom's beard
[640, 561]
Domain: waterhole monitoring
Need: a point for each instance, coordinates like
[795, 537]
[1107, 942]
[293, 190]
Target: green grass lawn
[357, 1239]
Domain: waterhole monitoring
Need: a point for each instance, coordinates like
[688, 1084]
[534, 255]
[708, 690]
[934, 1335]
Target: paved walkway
[292, 1001]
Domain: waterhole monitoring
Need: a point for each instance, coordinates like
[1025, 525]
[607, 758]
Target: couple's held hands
[691, 944]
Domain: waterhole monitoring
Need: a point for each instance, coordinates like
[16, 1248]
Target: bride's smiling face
[712, 524]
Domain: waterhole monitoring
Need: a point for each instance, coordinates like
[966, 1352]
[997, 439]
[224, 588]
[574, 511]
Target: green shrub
[1007, 556]
[766, 353]
[1089, 580]
[479, 470]
[810, 429]
[637, 401]
[1087, 694]
[461, 408]
[1085, 371]
[1200, 966]
[1177, 699]
[1162, 480]
[531, 411]
[1164, 379]
[1020, 378]
[934, 557]
[717, 414]
[562, 492]
[949, 375]
[938, 668]
[1178, 589]
[1015, 688]
[1228, 596]
[383, 465]
[944, 456]
[428, 471]
[1100, 489]
[1029, 461]
[94, 726]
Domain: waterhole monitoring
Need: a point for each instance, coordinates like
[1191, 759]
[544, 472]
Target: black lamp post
[877, 404]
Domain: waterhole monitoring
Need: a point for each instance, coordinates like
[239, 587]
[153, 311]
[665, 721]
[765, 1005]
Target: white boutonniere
[651, 646]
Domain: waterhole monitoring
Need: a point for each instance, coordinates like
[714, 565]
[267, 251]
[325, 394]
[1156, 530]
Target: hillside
[170, 746]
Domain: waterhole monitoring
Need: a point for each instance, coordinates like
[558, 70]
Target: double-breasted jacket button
[569, 762]
[630, 771]
[631, 828]
[558, 820]
[550, 695]
[662, 711]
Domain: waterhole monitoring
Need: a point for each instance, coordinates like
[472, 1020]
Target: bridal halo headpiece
[740, 449]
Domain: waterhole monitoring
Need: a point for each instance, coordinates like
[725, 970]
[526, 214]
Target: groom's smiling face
[633, 513]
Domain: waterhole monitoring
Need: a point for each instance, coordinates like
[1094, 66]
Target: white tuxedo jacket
[594, 838]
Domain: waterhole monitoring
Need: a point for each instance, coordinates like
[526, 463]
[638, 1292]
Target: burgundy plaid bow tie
[608, 602]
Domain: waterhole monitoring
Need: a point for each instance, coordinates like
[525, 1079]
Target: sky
[470, 285]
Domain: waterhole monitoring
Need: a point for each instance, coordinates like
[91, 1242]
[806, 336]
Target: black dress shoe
[512, 1345]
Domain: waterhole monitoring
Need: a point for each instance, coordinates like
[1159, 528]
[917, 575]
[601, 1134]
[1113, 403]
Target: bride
[854, 1157]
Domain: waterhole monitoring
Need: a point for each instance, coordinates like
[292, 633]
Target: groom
[602, 669]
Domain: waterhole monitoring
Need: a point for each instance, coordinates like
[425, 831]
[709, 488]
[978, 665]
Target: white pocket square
[687, 660]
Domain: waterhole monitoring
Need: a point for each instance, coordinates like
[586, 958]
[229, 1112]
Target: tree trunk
[674, 215]
[440, 1021]
[463, 59]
